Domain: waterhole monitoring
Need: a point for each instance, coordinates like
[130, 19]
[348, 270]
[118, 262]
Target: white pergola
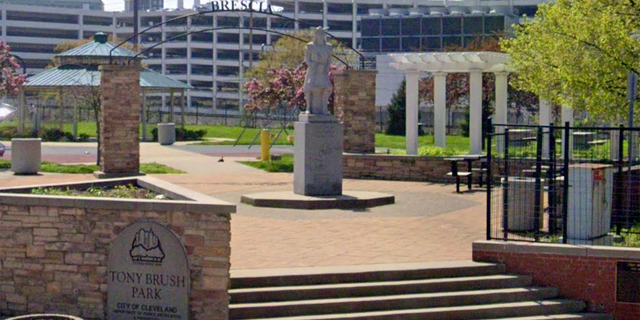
[439, 64]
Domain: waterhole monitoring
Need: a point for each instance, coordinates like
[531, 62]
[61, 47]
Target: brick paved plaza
[429, 222]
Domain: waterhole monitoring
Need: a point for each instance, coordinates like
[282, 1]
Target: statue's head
[320, 36]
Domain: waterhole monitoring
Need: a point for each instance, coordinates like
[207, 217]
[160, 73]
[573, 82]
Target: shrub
[10, 132]
[83, 137]
[53, 134]
[182, 134]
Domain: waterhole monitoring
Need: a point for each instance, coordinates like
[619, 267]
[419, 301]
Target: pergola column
[567, 116]
[440, 109]
[545, 120]
[475, 112]
[501, 105]
[412, 78]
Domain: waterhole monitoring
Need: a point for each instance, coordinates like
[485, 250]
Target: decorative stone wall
[396, 167]
[355, 108]
[587, 273]
[120, 120]
[54, 250]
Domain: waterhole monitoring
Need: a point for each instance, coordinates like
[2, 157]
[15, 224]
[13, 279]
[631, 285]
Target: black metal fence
[578, 185]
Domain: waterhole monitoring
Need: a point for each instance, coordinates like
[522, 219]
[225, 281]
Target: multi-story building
[76, 4]
[144, 5]
[214, 60]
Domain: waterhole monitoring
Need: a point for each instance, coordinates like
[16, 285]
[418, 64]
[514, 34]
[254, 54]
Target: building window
[432, 26]
[390, 27]
[411, 26]
[473, 25]
[391, 44]
[493, 24]
[410, 44]
[451, 25]
[370, 27]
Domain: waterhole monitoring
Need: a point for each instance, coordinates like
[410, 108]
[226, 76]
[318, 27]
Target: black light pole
[136, 7]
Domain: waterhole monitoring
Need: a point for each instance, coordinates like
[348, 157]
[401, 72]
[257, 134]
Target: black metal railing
[563, 184]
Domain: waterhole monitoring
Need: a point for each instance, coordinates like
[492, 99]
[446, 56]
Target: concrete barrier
[26, 156]
[166, 133]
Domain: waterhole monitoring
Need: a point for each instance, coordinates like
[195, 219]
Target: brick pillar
[355, 108]
[120, 121]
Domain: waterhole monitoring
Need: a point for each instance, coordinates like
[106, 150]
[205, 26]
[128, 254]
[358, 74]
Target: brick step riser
[293, 293]
[389, 304]
[374, 276]
[585, 316]
[498, 312]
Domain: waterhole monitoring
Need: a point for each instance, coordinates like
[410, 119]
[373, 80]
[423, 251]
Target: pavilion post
[411, 120]
[143, 115]
[23, 111]
[545, 120]
[567, 116]
[440, 109]
[171, 105]
[501, 105]
[182, 109]
[75, 120]
[61, 106]
[475, 112]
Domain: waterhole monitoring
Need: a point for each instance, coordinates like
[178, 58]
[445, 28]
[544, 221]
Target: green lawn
[52, 167]
[455, 144]
[285, 164]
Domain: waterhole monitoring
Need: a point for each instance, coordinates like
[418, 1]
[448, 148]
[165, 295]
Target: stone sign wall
[54, 253]
[148, 275]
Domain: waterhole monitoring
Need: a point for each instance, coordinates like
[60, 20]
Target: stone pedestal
[318, 156]
[26, 155]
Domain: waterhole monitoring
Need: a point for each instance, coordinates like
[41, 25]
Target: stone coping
[180, 199]
[290, 200]
[437, 265]
[559, 249]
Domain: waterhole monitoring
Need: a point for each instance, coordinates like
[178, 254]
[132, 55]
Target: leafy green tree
[288, 52]
[578, 54]
[397, 111]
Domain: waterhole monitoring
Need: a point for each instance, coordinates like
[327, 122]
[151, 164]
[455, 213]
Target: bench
[597, 142]
[459, 174]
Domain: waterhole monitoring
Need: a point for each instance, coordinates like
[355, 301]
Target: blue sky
[118, 5]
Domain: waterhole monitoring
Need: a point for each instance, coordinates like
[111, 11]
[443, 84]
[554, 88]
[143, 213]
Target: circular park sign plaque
[148, 275]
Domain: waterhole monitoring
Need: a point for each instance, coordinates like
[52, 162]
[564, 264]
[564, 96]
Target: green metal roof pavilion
[80, 68]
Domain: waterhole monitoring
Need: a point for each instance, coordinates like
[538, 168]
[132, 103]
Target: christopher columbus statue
[317, 86]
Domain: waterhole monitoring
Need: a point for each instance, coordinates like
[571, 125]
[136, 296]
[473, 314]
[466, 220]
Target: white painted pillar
[412, 78]
[475, 112]
[440, 109]
[567, 116]
[545, 120]
[501, 115]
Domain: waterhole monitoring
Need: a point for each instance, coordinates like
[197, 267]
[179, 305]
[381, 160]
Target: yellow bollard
[265, 141]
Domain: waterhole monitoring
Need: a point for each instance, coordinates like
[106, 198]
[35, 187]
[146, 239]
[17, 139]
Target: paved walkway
[429, 222]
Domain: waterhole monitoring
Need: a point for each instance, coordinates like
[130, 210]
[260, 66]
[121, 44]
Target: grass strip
[284, 164]
[52, 167]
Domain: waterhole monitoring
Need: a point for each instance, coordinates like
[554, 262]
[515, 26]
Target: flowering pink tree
[283, 87]
[11, 81]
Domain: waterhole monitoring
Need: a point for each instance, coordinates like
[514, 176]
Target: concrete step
[393, 302]
[490, 311]
[574, 316]
[254, 295]
[242, 279]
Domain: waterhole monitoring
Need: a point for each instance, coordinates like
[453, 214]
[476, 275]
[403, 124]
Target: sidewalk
[429, 222]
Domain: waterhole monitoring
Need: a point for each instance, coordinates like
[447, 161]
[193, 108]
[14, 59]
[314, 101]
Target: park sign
[148, 275]
[239, 5]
